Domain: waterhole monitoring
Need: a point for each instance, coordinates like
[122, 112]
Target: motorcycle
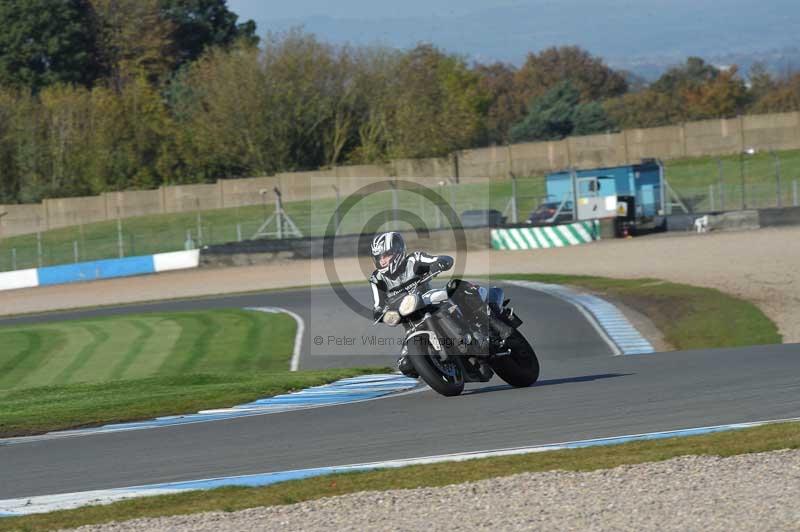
[449, 347]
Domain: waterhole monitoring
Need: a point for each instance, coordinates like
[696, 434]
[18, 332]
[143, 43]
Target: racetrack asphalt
[584, 392]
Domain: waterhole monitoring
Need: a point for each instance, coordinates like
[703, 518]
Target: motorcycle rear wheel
[420, 353]
[520, 369]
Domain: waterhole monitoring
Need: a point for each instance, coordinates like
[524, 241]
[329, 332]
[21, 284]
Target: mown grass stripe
[135, 350]
[39, 346]
[157, 349]
[34, 343]
[199, 348]
[251, 345]
[99, 336]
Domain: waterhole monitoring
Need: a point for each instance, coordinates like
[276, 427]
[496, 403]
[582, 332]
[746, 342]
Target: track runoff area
[600, 384]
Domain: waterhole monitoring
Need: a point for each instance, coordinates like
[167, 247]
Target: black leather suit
[412, 266]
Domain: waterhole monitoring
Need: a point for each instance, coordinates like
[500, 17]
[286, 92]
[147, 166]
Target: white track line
[298, 337]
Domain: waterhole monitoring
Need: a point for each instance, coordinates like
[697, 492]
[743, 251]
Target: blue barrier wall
[101, 269]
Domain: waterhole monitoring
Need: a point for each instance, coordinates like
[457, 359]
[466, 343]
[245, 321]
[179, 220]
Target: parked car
[546, 213]
[482, 218]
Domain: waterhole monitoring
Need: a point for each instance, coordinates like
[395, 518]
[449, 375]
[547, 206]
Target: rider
[393, 268]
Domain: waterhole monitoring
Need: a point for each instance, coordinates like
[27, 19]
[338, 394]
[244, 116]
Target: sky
[639, 35]
[262, 11]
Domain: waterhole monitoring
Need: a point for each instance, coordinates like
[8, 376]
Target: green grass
[89, 372]
[760, 439]
[691, 178]
[144, 345]
[690, 317]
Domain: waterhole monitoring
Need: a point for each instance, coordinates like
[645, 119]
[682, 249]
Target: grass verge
[43, 409]
[759, 439]
[91, 372]
[690, 317]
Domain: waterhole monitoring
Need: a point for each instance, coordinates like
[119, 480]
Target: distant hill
[644, 36]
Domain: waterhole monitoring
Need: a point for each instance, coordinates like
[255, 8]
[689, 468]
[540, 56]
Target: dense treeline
[99, 95]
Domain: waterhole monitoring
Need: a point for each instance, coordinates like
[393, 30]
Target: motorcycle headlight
[391, 318]
[409, 304]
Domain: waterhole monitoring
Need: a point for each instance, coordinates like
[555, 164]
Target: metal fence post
[741, 179]
[13, 258]
[75, 251]
[777, 177]
[120, 243]
[438, 208]
[188, 244]
[39, 248]
[453, 198]
[239, 232]
[336, 211]
[199, 224]
[394, 206]
[711, 196]
[513, 199]
[794, 192]
[721, 188]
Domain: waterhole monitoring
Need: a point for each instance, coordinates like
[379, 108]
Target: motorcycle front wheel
[520, 368]
[445, 377]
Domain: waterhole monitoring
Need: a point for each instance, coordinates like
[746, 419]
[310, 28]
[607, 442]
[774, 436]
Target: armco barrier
[555, 236]
[102, 269]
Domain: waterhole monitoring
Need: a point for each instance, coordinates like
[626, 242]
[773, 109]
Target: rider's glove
[444, 263]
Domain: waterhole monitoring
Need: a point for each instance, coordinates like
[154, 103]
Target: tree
[230, 122]
[436, 105]
[693, 73]
[506, 103]
[590, 118]
[559, 114]
[43, 42]
[135, 40]
[761, 81]
[376, 77]
[9, 173]
[783, 97]
[723, 96]
[590, 76]
[200, 24]
[648, 108]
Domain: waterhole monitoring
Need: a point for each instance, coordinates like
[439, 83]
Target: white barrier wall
[179, 260]
[102, 269]
[19, 279]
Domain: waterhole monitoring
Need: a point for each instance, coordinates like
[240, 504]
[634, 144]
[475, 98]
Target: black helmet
[388, 244]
